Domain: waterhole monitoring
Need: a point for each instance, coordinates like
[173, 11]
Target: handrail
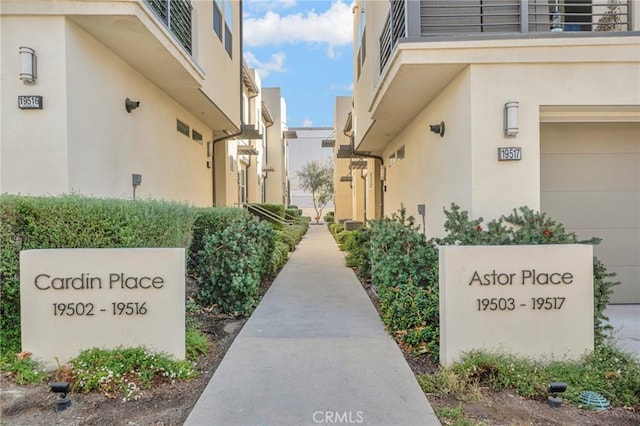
[269, 214]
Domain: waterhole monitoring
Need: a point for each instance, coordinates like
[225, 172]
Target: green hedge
[404, 265]
[77, 222]
[275, 209]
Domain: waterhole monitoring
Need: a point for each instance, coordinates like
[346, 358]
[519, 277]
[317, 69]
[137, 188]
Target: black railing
[468, 17]
[176, 16]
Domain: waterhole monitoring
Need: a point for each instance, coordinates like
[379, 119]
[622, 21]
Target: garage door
[590, 182]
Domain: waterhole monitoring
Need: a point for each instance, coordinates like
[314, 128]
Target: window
[196, 136]
[228, 41]
[392, 159]
[217, 19]
[182, 128]
[400, 153]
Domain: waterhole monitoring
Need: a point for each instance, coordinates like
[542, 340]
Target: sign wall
[73, 299]
[533, 301]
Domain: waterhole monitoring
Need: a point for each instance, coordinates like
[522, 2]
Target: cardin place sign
[533, 301]
[74, 299]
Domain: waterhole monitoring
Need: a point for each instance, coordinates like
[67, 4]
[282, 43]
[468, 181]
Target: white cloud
[341, 88]
[275, 63]
[307, 123]
[333, 27]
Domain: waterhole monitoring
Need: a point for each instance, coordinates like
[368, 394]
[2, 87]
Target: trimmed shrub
[404, 266]
[230, 255]
[291, 213]
[274, 209]
[279, 256]
[329, 217]
[77, 222]
[358, 248]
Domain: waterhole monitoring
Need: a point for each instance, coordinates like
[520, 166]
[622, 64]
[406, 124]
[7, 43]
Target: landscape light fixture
[130, 105]
[28, 69]
[61, 388]
[554, 389]
[437, 128]
[511, 118]
[136, 180]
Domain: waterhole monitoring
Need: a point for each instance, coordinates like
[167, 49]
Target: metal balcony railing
[429, 18]
[176, 16]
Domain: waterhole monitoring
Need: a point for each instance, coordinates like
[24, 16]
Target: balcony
[176, 16]
[438, 19]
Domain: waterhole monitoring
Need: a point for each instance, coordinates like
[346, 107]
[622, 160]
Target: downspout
[349, 134]
[226, 137]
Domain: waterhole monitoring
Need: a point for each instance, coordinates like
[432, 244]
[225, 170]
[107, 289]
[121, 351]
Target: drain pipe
[349, 134]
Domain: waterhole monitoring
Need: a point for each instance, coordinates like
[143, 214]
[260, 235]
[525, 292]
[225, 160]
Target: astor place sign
[534, 301]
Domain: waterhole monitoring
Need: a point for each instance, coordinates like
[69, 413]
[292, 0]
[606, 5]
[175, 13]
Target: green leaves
[317, 178]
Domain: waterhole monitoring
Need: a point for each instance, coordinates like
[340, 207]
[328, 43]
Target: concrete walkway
[313, 352]
[625, 320]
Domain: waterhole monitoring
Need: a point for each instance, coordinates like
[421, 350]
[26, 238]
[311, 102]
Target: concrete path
[313, 352]
[625, 320]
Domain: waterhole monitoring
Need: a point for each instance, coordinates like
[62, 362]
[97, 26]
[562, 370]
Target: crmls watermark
[338, 417]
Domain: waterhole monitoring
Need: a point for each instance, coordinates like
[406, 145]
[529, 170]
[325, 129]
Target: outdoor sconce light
[554, 389]
[130, 105]
[61, 388]
[511, 118]
[28, 69]
[437, 128]
[136, 180]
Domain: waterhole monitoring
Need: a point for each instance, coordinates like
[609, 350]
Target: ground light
[61, 388]
[554, 389]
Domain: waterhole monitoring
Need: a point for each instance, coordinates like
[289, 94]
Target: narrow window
[400, 153]
[228, 41]
[217, 19]
[196, 136]
[182, 128]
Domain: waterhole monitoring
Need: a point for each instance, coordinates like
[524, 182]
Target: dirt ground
[171, 404]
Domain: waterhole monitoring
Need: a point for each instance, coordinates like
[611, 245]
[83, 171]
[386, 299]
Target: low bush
[329, 217]
[123, 372]
[358, 248]
[231, 264]
[607, 370]
[335, 228]
[291, 213]
[276, 210]
[279, 256]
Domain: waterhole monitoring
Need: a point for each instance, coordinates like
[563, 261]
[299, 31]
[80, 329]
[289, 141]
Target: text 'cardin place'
[84, 281]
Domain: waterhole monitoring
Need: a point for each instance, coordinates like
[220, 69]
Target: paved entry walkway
[313, 352]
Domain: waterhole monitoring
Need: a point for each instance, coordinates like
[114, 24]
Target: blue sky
[305, 48]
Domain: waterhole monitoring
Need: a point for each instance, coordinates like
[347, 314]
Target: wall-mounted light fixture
[511, 118]
[28, 68]
[437, 128]
[130, 105]
[136, 180]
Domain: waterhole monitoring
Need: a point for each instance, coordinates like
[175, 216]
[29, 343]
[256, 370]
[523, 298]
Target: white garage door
[590, 182]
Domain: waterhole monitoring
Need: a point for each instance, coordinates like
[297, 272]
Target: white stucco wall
[84, 141]
[34, 142]
[107, 144]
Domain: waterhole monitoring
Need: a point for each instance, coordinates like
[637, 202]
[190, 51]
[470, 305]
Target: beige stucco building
[276, 174]
[568, 79]
[178, 63]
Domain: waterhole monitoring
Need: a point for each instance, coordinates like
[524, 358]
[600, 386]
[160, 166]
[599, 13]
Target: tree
[317, 178]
